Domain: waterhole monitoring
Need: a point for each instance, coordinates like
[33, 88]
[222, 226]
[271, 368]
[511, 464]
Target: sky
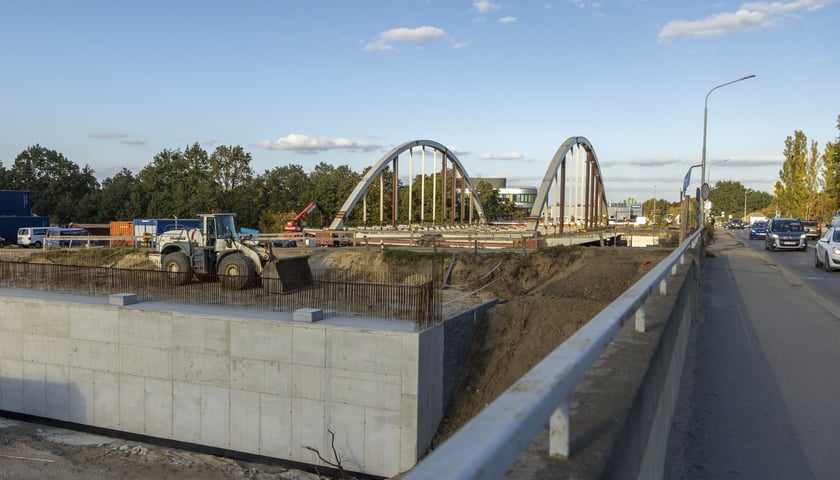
[501, 83]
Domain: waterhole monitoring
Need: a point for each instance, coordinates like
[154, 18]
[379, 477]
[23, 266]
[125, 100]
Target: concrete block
[245, 421]
[308, 429]
[87, 322]
[94, 355]
[81, 395]
[348, 424]
[158, 407]
[186, 411]
[146, 361]
[45, 318]
[58, 392]
[34, 389]
[132, 403]
[11, 318]
[275, 425]
[366, 351]
[123, 299]
[11, 345]
[215, 416]
[106, 399]
[44, 349]
[410, 365]
[203, 368]
[260, 376]
[308, 382]
[308, 315]
[144, 328]
[309, 345]
[11, 385]
[262, 340]
[360, 388]
[199, 332]
[382, 434]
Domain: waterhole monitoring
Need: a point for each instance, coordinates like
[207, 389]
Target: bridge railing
[488, 445]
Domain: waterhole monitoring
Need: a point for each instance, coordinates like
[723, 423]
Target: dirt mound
[550, 294]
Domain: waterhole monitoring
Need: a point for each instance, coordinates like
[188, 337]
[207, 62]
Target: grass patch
[409, 258]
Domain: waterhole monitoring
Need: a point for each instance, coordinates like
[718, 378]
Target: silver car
[827, 250]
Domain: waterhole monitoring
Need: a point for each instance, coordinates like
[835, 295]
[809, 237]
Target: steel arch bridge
[585, 202]
[444, 204]
[573, 176]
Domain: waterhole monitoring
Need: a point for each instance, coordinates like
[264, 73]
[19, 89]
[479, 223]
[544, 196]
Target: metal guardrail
[489, 444]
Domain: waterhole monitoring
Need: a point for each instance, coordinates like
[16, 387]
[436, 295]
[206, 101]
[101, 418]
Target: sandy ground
[548, 296]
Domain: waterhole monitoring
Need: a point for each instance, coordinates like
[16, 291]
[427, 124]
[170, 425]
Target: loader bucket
[287, 274]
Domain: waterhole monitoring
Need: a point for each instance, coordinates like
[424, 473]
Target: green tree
[179, 184]
[59, 188]
[495, 208]
[332, 185]
[121, 198]
[793, 191]
[831, 171]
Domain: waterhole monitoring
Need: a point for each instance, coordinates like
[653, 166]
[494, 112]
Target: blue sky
[502, 83]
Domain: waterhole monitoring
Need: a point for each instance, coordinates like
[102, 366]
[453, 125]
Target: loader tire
[236, 271]
[178, 269]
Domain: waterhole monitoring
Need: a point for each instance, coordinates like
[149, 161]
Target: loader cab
[219, 227]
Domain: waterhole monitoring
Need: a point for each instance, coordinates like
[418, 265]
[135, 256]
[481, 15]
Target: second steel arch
[593, 203]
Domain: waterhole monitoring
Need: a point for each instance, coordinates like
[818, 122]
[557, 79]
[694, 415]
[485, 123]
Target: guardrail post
[663, 286]
[558, 432]
[640, 319]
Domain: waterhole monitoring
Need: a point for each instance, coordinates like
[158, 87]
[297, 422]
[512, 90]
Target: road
[760, 396]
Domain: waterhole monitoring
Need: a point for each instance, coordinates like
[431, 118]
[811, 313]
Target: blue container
[147, 230]
[15, 203]
[9, 226]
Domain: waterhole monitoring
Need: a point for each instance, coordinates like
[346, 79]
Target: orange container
[122, 229]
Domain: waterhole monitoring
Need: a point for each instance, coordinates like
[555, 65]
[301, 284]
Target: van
[33, 236]
[68, 237]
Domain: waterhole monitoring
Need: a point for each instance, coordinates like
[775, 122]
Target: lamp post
[705, 123]
[745, 204]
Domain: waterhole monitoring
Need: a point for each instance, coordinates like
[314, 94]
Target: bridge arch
[450, 184]
[585, 204]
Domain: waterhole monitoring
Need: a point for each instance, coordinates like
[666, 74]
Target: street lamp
[705, 123]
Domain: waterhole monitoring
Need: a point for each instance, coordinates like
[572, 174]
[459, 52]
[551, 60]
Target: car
[827, 250]
[34, 236]
[758, 230]
[813, 229]
[785, 234]
[736, 224]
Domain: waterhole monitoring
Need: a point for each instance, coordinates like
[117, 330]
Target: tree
[230, 169]
[59, 188]
[120, 198]
[179, 184]
[793, 191]
[495, 208]
[831, 171]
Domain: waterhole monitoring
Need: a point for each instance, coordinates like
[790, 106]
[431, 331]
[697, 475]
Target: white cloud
[506, 20]
[485, 6]
[503, 156]
[418, 36]
[305, 144]
[457, 150]
[751, 16]
[132, 141]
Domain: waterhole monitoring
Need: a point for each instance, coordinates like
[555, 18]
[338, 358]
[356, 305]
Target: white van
[34, 236]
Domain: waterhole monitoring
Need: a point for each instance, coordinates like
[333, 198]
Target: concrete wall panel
[309, 345]
[215, 416]
[94, 355]
[366, 351]
[275, 426]
[158, 408]
[262, 340]
[200, 332]
[146, 361]
[244, 421]
[203, 368]
[81, 396]
[91, 323]
[35, 388]
[348, 424]
[132, 403]
[11, 385]
[41, 348]
[142, 329]
[106, 399]
[186, 411]
[11, 345]
[58, 392]
[45, 319]
[260, 376]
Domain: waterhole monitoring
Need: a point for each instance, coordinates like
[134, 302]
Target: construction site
[543, 297]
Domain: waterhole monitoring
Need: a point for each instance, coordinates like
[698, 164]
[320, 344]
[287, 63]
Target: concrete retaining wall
[251, 382]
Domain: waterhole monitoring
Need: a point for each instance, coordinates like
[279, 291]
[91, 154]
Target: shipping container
[146, 231]
[9, 226]
[122, 229]
[15, 203]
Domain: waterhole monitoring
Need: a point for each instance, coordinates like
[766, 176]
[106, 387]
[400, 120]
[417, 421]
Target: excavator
[296, 224]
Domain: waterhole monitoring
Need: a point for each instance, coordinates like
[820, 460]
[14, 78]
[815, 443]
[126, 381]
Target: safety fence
[410, 297]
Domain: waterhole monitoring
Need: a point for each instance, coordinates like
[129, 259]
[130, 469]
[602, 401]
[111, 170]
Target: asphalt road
[760, 395]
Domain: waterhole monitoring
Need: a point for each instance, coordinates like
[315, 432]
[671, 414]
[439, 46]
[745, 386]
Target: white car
[827, 250]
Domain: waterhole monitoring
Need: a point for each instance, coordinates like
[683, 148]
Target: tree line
[185, 182]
